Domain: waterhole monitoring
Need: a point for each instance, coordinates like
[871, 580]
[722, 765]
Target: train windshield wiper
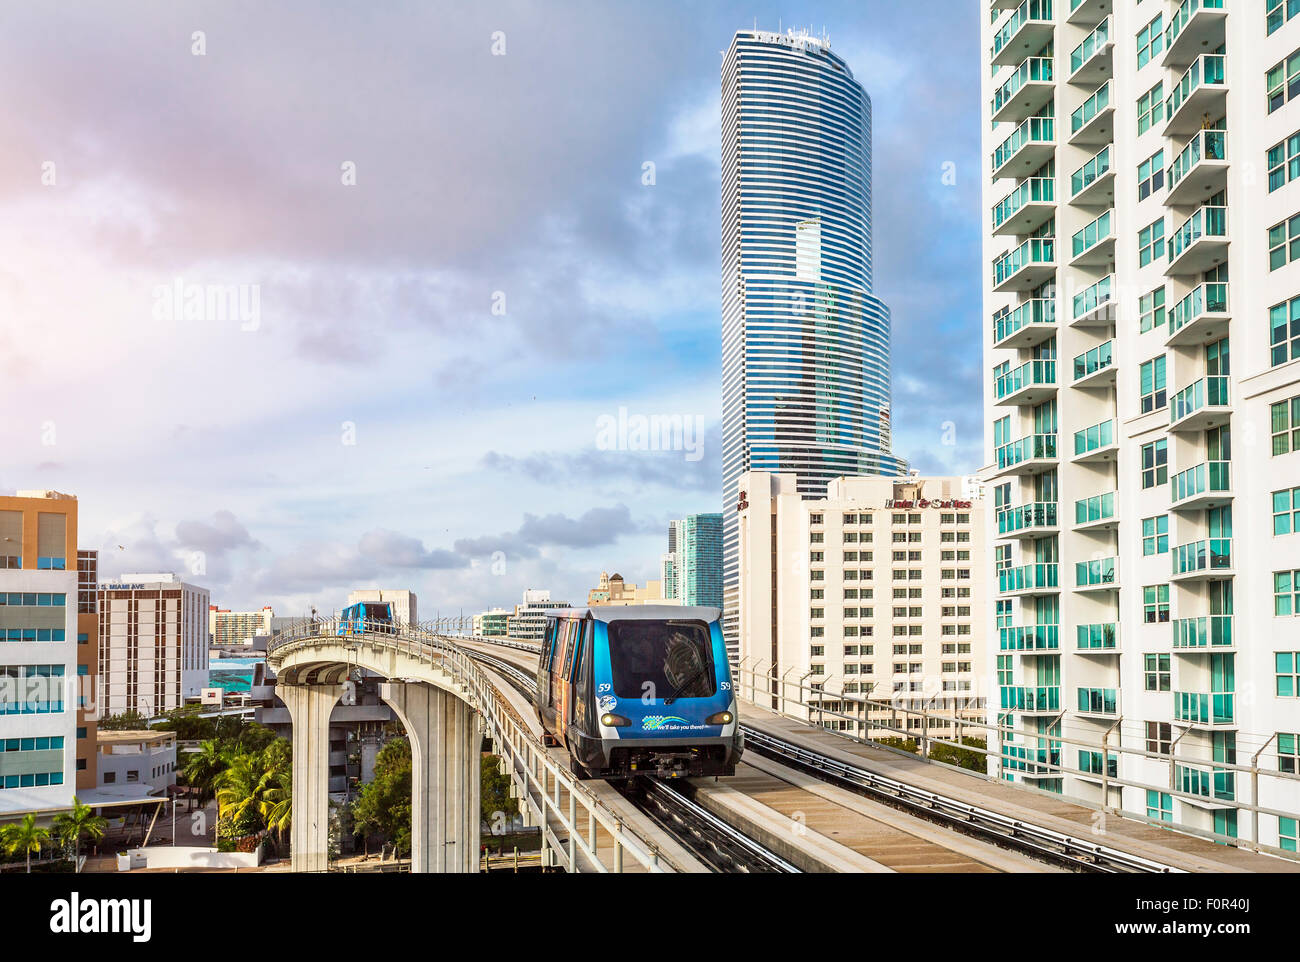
[690, 680]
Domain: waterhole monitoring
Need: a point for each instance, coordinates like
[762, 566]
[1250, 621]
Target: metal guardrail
[540, 778]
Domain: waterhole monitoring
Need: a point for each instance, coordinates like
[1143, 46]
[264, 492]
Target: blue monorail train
[639, 690]
[366, 616]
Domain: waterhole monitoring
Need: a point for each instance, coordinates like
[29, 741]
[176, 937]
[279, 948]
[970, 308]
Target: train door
[544, 668]
[563, 667]
[574, 673]
[583, 716]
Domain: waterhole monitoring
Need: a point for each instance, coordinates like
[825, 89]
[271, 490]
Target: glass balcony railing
[1033, 70]
[1094, 438]
[1103, 636]
[1035, 130]
[1090, 172]
[1206, 781]
[1091, 44]
[1032, 448]
[1087, 301]
[1100, 572]
[1209, 391]
[1090, 108]
[1030, 638]
[1036, 190]
[1098, 701]
[1026, 517]
[1206, 145]
[1205, 708]
[1040, 310]
[1029, 11]
[1022, 698]
[1100, 507]
[1208, 223]
[1186, 10]
[1098, 359]
[1213, 554]
[1208, 631]
[1208, 477]
[1034, 577]
[1206, 70]
[1038, 250]
[1029, 374]
[1204, 299]
[1102, 229]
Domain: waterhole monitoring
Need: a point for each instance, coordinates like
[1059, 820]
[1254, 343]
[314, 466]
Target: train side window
[567, 662]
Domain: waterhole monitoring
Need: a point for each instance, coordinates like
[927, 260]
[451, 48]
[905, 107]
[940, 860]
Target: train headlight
[610, 720]
[720, 718]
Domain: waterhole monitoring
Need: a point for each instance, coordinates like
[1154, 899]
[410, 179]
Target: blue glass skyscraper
[805, 343]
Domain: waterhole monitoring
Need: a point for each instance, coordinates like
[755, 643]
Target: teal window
[1156, 673]
[1155, 604]
[1151, 175]
[1286, 593]
[1286, 834]
[1283, 82]
[1155, 535]
[1155, 463]
[81, 732]
[1284, 331]
[1276, 13]
[1287, 670]
[1151, 242]
[1150, 107]
[1151, 309]
[1160, 805]
[1152, 387]
[1287, 743]
[1285, 426]
[1150, 41]
[83, 638]
[1284, 243]
[1283, 162]
[1286, 511]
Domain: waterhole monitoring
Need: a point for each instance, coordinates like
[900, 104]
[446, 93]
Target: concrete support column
[310, 707]
[445, 786]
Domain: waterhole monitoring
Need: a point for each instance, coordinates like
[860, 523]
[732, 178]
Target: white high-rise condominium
[805, 343]
[1142, 216]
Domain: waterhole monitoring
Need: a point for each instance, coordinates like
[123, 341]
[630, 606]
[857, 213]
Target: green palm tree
[277, 803]
[203, 767]
[26, 837]
[81, 822]
[239, 789]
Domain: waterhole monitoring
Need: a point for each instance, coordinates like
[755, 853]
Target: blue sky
[378, 422]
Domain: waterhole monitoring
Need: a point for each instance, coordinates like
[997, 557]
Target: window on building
[1155, 463]
[1152, 384]
[1286, 511]
[1151, 175]
[1155, 604]
[1150, 41]
[1155, 535]
[1156, 674]
[1159, 737]
[1283, 82]
[1284, 243]
[1284, 331]
[1286, 593]
[1151, 108]
[1288, 751]
[1278, 12]
[1283, 162]
[1151, 243]
[1151, 309]
[1287, 670]
[1285, 426]
[1160, 805]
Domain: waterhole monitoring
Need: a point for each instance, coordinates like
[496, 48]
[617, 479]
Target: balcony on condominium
[1203, 404]
[1200, 317]
[1094, 245]
[1027, 91]
[1196, 25]
[1099, 638]
[1028, 324]
[1093, 184]
[1095, 444]
[1028, 456]
[1031, 699]
[1201, 635]
[1200, 170]
[1095, 368]
[1031, 145]
[1207, 485]
[1096, 513]
[1035, 520]
[1030, 383]
[1203, 709]
[1100, 574]
[1095, 305]
[1086, 13]
[1091, 61]
[1206, 560]
[1199, 92]
[1027, 208]
[1026, 267]
[1206, 781]
[1030, 580]
[1200, 243]
[1092, 123]
[1028, 29]
[1030, 639]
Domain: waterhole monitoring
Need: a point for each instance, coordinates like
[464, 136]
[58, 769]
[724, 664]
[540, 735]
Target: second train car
[639, 690]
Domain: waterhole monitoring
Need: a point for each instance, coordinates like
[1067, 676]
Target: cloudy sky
[450, 271]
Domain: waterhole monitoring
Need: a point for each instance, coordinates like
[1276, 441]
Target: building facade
[700, 553]
[876, 590]
[805, 342]
[153, 643]
[492, 624]
[1142, 221]
[612, 590]
[137, 762]
[48, 657]
[405, 611]
[528, 623]
[227, 628]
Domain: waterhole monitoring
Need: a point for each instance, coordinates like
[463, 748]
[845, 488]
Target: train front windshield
[674, 657]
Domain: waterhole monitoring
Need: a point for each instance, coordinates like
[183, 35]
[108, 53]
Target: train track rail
[1045, 844]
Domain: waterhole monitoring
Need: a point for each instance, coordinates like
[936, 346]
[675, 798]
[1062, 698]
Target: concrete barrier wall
[181, 856]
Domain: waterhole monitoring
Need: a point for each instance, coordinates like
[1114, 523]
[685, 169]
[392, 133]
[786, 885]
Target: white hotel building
[1141, 174]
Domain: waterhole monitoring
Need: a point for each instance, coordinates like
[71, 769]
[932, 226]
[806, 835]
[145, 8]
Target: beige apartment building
[228, 628]
[877, 590]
